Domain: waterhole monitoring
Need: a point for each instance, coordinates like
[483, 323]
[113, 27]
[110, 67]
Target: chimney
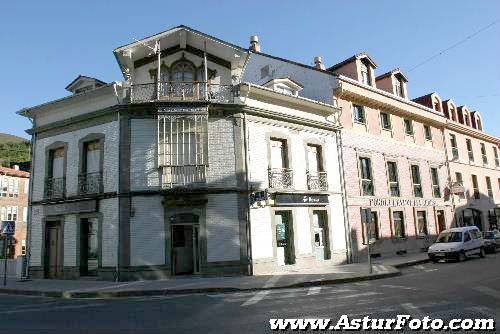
[16, 167]
[254, 43]
[318, 63]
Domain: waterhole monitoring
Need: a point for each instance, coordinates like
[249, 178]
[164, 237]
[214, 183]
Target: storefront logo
[401, 202]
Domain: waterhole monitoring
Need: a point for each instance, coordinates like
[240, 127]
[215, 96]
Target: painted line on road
[63, 307]
[271, 282]
[314, 290]
[256, 298]
[488, 291]
[390, 286]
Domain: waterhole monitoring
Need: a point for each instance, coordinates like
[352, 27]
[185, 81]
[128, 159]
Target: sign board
[401, 202]
[457, 188]
[300, 199]
[8, 227]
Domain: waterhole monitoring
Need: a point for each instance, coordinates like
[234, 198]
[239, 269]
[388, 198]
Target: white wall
[110, 172]
[147, 231]
[261, 233]
[110, 221]
[36, 236]
[70, 241]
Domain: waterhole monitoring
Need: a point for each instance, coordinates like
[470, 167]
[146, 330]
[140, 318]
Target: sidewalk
[185, 285]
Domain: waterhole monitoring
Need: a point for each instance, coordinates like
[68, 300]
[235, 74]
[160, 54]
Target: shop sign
[300, 199]
[401, 202]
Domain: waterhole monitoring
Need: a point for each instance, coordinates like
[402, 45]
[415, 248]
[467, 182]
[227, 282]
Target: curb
[164, 292]
[411, 263]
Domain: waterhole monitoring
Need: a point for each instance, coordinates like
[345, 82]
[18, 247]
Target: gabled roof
[81, 78]
[393, 72]
[13, 172]
[353, 58]
[286, 80]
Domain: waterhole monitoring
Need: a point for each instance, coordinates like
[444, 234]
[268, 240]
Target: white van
[457, 243]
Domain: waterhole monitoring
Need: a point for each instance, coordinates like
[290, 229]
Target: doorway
[185, 232]
[284, 238]
[53, 250]
[89, 247]
[441, 223]
[321, 240]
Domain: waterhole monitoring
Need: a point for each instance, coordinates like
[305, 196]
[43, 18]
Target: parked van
[457, 244]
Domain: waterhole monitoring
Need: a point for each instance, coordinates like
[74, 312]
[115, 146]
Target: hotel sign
[401, 202]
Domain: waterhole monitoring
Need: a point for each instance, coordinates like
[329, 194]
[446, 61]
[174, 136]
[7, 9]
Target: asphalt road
[444, 290]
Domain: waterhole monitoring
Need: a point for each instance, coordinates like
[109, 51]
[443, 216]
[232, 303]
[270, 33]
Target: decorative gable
[284, 86]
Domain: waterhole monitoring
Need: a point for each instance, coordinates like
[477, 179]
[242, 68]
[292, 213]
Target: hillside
[6, 138]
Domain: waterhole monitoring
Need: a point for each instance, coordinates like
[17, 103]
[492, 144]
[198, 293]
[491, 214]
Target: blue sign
[8, 227]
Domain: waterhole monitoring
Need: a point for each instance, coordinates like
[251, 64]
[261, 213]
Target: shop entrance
[185, 244]
[89, 247]
[321, 240]
[284, 238]
[473, 217]
[53, 250]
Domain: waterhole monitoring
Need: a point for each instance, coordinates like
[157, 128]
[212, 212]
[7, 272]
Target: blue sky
[46, 44]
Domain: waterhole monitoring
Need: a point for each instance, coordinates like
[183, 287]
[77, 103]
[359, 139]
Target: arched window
[183, 72]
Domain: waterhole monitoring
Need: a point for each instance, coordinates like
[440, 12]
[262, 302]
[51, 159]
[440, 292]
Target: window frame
[475, 186]
[389, 128]
[389, 182]
[360, 173]
[495, 156]
[419, 179]
[435, 185]
[417, 222]
[412, 133]
[470, 150]
[354, 113]
[427, 135]
[489, 187]
[403, 222]
[484, 154]
[363, 226]
[454, 146]
[461, 182]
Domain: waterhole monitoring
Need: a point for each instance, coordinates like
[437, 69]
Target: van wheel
[481, 252]
[461, 257]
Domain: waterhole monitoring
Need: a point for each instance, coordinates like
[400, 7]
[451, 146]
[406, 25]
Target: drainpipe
[117, 269]
[30, 198]
[347, 225]
[247, 181]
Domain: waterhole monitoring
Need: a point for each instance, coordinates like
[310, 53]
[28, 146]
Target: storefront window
[399, 224]
[422, 223]
[369, 220]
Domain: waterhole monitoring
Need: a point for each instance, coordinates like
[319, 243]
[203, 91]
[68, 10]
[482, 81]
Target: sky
[46, 44]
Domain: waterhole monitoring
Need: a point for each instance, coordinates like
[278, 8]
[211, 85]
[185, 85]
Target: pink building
[394, 162]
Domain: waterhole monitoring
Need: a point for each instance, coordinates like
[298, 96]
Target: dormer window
[365, 73]
[284, 86]
[398, 87]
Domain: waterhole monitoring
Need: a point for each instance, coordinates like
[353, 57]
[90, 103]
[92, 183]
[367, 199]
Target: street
[444, 290]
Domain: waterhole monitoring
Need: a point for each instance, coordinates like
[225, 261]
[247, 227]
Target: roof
[283, 79]
[353, 58]
[393, 72]
[80, 77]
[13, 172]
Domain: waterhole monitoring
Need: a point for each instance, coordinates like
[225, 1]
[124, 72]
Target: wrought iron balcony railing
[182, 91]
[317, 181]
[90, 183]
[188, 176]
[55, 188]
[281, 178]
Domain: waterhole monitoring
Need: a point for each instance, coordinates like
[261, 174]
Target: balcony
[317, 181]
[280, 178]
[90, 183]
[182, 91]
[55, 188]
[188, 176]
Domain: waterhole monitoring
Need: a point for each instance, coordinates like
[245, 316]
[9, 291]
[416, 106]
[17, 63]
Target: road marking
[362, 284]
[63, 307]
[256, 298]
[314, 290]
[270, 282]
[362, 294]
[398, 287]
[413, 310]
[488, 291]
[419, 267]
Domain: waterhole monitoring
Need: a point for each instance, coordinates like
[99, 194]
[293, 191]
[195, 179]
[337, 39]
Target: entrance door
[320, 227]
[52, 250]
[284, 238]
[182, 253]
[441, 224]
[89, 247]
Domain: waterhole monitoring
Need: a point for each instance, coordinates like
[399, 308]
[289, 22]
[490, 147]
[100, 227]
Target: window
[422, 223]
[284, 89]
[366, 176]
[369, 220]
[365, 74]
[460, 181]
[488, 186]
[436, 191]
[469, 149]
[183, 149]
[280, 176]
[385, 121]
[398, 87]
[12, 213]
[399, 224]
[495, 154]
[25, 214]
[183, 72]
[427, 132]
[23, 247]
[454, 148]
[475, 186]
[359, 113]
[316, 177]
[417, 184]
[408, 127]
[392, 175]
[3, 212]
[4, 186]
[483, 153]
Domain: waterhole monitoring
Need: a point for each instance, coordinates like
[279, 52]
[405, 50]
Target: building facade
[183, 168]
[14, 189]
